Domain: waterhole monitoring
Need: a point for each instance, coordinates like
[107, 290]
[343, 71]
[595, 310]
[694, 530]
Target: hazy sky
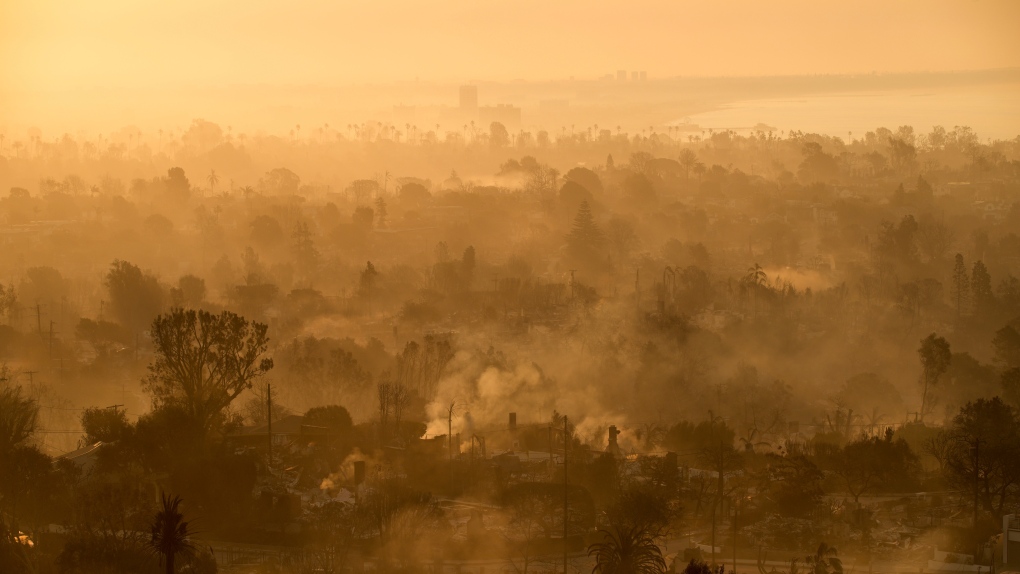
[53, 44]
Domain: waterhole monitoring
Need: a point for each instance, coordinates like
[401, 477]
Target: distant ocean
[992, 111]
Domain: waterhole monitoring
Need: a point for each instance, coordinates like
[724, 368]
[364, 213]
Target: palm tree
[627, 550]
[824, 560]
[213, 180]
[170, 533]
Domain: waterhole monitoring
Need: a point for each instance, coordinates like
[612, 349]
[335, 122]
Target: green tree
[204, 361]
[935, 358]
[170, 535]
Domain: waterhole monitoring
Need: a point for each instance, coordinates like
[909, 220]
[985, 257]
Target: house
[84, 458]
[290, 429]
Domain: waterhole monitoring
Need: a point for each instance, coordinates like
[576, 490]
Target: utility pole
[565, 487]
[977, 459]
[734, 534]
[38, 318]
[269, 417]
[449, 438]
[51, 341]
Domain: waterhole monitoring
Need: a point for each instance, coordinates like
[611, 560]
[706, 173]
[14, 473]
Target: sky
[48, 45]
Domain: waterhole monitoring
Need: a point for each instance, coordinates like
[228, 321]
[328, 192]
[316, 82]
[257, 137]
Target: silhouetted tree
[585, 238]
[170, 536]
[498, 135]
[18, 416]
[824, 560]
[204, 361]
[135, 297]
[935, 358]
[961, 285]
[981, 290]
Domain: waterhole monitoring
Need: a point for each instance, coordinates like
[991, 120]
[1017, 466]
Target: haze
[509, 287]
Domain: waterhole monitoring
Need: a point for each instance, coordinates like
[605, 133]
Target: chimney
[614, 447]
[513, 421]
[359, 472]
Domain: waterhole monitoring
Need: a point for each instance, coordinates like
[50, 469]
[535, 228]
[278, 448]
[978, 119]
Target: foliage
[204, 361]
[170, 534]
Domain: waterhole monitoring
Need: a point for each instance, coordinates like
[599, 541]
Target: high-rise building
[469, 98]
[621, 75]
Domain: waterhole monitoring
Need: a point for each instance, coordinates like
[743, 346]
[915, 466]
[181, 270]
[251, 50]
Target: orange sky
[64, 44]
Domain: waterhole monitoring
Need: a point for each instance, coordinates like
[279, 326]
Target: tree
[793, 484]
[190, 292]
[1007, 346]
[627, 550]
[981, 290]
[266, 232]
[281, 181]
[934, 238]
[586, 178]
[333, 417]
[204, 361]
[363, 217]
[213, 179]
[380, 212]
[935, 358]
[135, 297]
[817, 165]
[688, 159]
[987, 449]
[335, 530]
[713, 441]
[18, 416]
[961, 285]
[305, 254]
[585, 237]
[177, 183]
[367, 280]
[825, 561]
[106, 425]
[864, 465]
[638, 188]
[170, 536]
[498, 135]
[1011, 386]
